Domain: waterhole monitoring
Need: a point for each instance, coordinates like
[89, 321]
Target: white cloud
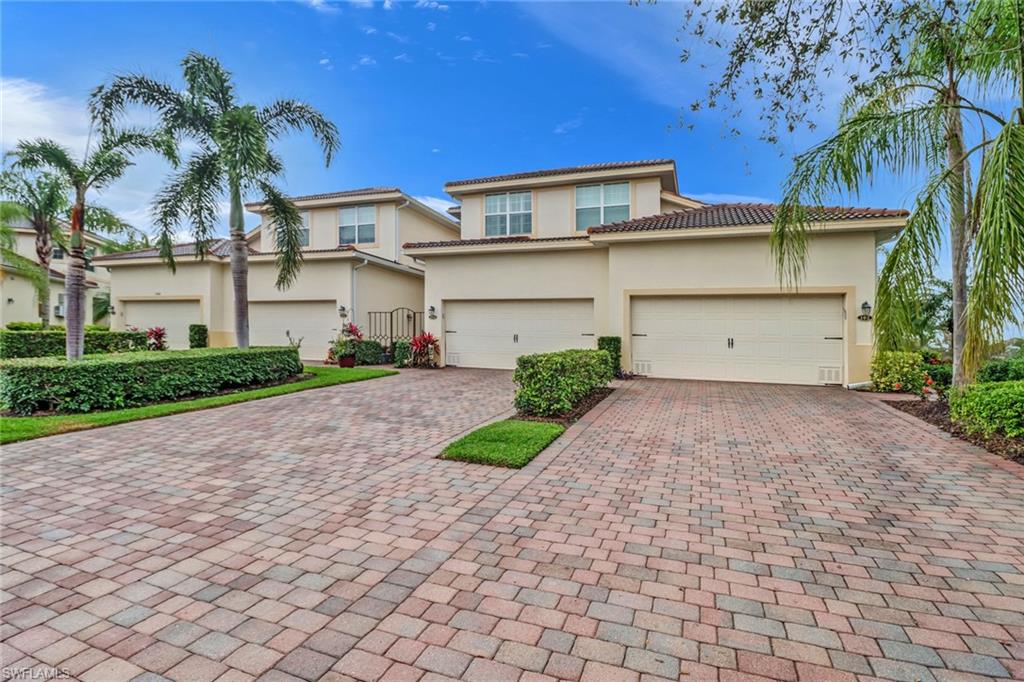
[368, 30]
[435, 150]
[568, 126]
[466, 39]
[321, 6]
[398, 38]
[361, 4]
[720, 198]
[32, 110]
[403, 58]
[520, 55]
[437, 203]
[326, 63]
[431, 26]
[388, 4]
[481, 56]
[431, 4]
[365, 60]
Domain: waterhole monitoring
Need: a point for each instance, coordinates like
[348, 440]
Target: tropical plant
[912, 120]
[156, 338]
[100, 307]
[232, 158]
[101, 165]
[425, 349]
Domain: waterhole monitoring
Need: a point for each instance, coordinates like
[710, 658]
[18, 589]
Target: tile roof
[218, 247]
[562, 171]
[518, 239]
[337, 195]
[729, 215]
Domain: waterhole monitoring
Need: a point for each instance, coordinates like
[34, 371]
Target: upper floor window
[600, 204]
[358, 225]
[58, 252]
[304, 230]
[509, 213]
[90, 253]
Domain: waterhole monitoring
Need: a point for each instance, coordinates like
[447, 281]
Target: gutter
[353, 289]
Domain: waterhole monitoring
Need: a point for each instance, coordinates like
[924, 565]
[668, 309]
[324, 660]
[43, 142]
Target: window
[510, 213]
[304, 230]
[89, 254]
[358, 225]
[601, 204]
[58, 253]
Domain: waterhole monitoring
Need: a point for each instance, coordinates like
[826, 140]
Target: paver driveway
[683, 530]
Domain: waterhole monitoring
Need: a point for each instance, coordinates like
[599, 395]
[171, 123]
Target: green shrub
[198, 336]
[941, 374]
[403, 353]
[33, 327]
[35, 344]
[95, 328]
[897, 371]
[612, 344]
[369, 353]
[550, 384]
[1011, 369]
[990, 408]
[107, 382]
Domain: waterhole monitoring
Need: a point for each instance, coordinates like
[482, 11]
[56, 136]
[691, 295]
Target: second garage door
[174, 316]
[778, 339]
[315, 322]
[494, 333]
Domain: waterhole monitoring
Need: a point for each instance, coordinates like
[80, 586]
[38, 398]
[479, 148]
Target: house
[20, 302]
[552, 259]
[353, 270]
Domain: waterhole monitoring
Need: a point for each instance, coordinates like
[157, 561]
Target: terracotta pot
[347, 361]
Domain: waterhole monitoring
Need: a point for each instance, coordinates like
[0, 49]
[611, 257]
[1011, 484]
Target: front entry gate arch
[389, 326]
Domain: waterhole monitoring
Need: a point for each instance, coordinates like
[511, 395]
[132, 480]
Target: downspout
[353, 311]
[398, 232]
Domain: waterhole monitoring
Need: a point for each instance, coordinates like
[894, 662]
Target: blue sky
[421, 92]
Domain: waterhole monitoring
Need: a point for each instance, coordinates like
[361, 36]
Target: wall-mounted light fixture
[432, 312]
[865, 311]
[10, 300]
[342, 311]
[112, 311]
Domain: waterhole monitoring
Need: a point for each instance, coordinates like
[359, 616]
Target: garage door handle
[585, 334]
[833, 338]
[639, 334]
[450, 331]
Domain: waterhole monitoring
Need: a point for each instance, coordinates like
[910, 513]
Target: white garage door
[495, 333]
[174, 316]
[315, 322]
[778, 339]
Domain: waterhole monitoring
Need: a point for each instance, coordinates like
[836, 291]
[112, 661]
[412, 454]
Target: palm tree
[913, 121]
[37, 202]
[233, 158]
[100, 166]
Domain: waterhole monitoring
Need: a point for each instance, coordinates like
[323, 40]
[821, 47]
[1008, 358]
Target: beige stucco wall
[416, 227]
[17, 299]
[380, 290]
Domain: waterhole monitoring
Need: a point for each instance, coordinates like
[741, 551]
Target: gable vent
[642, 367]
[830, 375]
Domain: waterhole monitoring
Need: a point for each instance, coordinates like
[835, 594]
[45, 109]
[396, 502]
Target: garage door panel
[779, 339]
[174, 316]
[493, 334]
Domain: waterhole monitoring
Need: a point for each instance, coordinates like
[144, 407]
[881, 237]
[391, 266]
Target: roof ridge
[564, 170]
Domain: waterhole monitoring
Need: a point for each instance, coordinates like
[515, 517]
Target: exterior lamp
[432, 312]
[342, 311]
[865, 311]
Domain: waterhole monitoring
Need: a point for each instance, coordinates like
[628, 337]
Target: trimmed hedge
[37, 344]
[897, 371]
[198, 336]
[369, 353]
[941, 374]
[107, 382]
[1011, 369]
[551, 384]
[37, 326]
[612, 344]
[403, 353]
[990, 408]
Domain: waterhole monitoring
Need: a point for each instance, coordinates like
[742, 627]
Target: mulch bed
[937, 413]
[574, 415]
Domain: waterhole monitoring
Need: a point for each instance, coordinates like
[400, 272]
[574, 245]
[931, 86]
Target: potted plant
[343, 348]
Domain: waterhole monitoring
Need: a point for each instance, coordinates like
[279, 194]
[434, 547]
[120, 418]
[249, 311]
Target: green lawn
[510, 443]
[24, 428]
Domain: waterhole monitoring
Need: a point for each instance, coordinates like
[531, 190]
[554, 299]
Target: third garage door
[495, 333]
[779, 339]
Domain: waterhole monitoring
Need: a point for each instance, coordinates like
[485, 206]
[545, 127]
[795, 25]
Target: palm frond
[996, 296]
[44, 153]
[208, 80]
[287, 226]
[113, 154]
[242, 141]
[179, 113]
[292, 115]
[192, 194]
[102, 219]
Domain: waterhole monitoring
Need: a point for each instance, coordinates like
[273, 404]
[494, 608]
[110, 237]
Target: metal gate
[400, 324]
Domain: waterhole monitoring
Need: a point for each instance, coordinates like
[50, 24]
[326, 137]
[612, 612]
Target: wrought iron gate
[400, 324]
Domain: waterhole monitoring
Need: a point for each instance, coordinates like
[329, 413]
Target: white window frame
[357, 241]
[602, 205]
[304, 230]
[508, 213]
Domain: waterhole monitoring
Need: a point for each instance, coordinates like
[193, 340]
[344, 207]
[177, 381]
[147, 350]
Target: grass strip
[510, 443]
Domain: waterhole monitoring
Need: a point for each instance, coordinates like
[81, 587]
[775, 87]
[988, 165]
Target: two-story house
[20, 302]
[552, 259]
[353, 266]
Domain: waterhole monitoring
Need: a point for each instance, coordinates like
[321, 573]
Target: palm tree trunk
[44, 253]
[959, 230]
[239, 267]
[75, 282]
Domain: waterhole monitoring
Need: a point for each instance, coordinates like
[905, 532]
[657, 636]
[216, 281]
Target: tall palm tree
[101, 165]
[233, 158]
[912, 121]
[37, 202]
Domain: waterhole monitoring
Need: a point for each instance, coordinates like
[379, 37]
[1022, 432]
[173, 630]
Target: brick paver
[682, 530]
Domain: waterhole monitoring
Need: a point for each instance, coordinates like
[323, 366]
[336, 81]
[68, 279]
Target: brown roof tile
[337, 195]
[561, 171]
[518, 239]
[729, 215]
[218, 247]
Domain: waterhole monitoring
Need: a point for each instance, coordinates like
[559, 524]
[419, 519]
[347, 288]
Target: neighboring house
[19, 300]
[353, 266]
[552, 259]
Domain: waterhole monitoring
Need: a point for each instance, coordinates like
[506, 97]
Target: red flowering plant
[425, 349]
[156, 338]
[344, 346]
